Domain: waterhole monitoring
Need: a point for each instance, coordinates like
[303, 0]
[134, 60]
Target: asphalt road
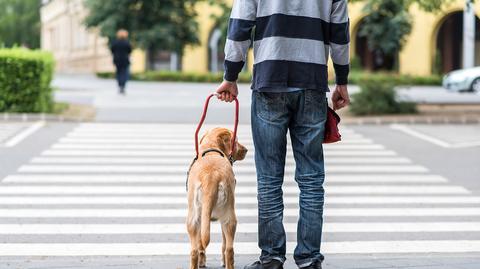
[111, 194]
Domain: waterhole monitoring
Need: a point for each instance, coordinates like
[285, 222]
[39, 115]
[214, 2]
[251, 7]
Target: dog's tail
[209, 198]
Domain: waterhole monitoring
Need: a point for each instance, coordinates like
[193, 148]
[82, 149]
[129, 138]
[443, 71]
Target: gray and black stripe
[292, 41]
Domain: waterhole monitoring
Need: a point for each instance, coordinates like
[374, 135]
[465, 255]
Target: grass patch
[60, 107]
[355, 77]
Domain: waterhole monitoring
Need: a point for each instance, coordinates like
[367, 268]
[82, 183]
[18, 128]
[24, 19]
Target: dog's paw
[202, 261]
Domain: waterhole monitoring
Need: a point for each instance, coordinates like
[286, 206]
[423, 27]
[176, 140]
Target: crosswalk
[119, 189]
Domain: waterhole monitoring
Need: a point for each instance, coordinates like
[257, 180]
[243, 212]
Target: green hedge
[172, 76]
[377, 97]
[25, 77]
[355, 77]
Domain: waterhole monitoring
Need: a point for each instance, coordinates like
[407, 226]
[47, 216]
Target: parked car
[463, 80]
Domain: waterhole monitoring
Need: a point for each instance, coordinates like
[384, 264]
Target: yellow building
[435, 43]
[76, 49]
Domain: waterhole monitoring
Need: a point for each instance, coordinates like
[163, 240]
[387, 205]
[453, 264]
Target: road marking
[135, 172]
[137, 135]
[170, 141]
[431, 139]
[146, 169]
[169, 213]
[419, 135]
[167, 154]
[249, 200]
[180, 189]
[126, 146]
[187, 161]
[172, 129]
[245, 248]
[246, 228]
[180, 179]
[24, 134]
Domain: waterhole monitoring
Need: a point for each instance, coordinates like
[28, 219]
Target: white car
[463, 80]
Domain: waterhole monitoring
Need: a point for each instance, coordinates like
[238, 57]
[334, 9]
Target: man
[121, 50]
[292, 42]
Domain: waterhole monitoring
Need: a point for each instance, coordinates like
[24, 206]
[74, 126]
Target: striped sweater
[292, 40]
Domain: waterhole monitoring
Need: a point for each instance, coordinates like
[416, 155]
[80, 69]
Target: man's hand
[227, 91]
[340, 98]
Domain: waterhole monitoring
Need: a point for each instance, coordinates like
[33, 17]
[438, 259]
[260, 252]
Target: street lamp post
[469, 35]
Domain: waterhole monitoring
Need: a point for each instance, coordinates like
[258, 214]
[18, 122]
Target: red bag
[332, 134]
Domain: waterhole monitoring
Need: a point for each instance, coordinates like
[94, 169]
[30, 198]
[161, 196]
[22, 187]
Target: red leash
[205, 108]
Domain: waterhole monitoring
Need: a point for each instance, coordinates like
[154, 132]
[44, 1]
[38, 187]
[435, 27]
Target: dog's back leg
[193, 226]
[194, 234]
[209, 198]
[223, 247]
[228, 230]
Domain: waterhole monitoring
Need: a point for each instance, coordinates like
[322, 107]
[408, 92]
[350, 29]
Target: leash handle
[204, 115]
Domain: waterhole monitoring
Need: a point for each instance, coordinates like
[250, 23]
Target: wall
[75, 48]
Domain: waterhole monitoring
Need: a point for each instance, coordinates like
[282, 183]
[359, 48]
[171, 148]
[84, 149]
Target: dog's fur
[211, 188]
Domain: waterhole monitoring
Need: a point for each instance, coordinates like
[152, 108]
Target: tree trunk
[151, 59]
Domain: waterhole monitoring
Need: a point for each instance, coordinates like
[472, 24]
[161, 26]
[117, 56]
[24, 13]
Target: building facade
[434, 46]
[76, 49]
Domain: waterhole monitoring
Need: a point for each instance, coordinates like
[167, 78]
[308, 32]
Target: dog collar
[230, 159]
[213, 150]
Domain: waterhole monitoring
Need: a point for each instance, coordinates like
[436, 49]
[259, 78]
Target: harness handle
[205, 108]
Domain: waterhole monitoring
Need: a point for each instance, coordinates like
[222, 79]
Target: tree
[20, 23]
[221, 19]
[157, 25]
[388, 24]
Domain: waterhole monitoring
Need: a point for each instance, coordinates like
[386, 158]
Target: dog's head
[221, 138]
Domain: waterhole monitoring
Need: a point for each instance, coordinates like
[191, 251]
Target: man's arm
[340, 51]
[241, 23]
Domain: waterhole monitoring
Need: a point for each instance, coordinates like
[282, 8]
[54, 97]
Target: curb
[25, 117]
[412, 120]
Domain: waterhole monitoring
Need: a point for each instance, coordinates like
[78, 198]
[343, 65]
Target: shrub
[245, 77]
[356, 77]
[25, 77]
[377, 97]
[174, 76]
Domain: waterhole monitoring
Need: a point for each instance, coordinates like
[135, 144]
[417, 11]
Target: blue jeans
[303, 114]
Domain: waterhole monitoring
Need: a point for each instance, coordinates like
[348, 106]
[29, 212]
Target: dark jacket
[121, 50]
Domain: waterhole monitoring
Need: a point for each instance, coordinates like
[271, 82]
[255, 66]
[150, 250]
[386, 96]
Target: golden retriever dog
[211, 188]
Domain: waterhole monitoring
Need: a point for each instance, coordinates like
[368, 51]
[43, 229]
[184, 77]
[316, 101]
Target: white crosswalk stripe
[242, 178]
[107, 180]
[249, 228]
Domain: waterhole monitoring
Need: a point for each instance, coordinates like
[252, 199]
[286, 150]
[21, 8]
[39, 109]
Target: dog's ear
[240, 152]
[224, 140]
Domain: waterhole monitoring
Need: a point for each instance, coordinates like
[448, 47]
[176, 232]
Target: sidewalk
[172, 102]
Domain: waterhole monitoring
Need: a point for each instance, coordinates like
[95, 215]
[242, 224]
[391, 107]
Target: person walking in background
[292, 42]
[121, 50]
